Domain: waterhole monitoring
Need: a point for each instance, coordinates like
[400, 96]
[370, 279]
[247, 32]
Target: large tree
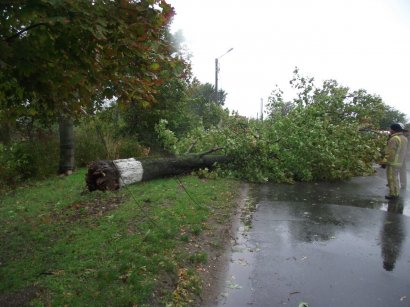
[170, 103]
[184, 104]
[321, 137]
[59, 58]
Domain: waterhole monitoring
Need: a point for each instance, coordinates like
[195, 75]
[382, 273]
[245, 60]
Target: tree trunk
[66, 130]
[5, 133]
[113, 174]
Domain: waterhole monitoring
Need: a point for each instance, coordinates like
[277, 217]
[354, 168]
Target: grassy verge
[144, 245]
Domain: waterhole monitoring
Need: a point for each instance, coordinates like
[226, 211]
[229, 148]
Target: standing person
[403, 169]
[395, 155]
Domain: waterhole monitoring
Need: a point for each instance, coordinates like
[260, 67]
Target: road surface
[321, 245]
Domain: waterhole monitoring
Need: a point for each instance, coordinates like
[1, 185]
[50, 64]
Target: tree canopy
[390, 116]
[63, 56]
[325, 133]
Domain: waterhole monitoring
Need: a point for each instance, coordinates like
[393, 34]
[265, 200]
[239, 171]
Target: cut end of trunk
[102, 175]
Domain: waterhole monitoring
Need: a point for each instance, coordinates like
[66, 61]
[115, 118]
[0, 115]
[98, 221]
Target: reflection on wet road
[338, 244]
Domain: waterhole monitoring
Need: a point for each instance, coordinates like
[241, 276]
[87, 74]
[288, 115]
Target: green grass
[119, 248]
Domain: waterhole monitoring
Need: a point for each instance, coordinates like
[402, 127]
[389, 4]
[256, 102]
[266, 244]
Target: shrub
[88, 145]
[28, 159]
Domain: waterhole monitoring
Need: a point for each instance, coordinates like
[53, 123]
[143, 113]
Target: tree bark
[66, 130]
[113, 174]
[5, 133]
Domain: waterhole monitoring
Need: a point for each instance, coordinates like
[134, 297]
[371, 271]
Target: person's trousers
[393, 180]
[403, 175]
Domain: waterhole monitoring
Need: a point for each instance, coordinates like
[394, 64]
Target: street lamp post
[216, 73]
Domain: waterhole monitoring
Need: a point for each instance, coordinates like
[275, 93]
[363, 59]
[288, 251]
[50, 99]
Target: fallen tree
[113, 174]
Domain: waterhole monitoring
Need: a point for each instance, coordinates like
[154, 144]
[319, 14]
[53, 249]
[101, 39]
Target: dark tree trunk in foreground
[66, 130]
[5, 133]
[113, 174]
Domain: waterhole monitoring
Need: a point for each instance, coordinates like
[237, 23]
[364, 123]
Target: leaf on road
[234, 286]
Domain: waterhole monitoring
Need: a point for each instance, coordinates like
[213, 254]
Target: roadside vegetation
[147, 244]
[152, 243]
[113, 83]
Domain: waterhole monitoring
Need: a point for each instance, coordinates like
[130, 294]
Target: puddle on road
[307, 229]
[400, 207]
[359, 192]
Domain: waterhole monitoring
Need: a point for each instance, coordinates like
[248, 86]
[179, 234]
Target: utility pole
[216, 74]
[261, 109]
[216, 79]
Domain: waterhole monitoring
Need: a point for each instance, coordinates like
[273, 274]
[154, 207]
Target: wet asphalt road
[338, 244]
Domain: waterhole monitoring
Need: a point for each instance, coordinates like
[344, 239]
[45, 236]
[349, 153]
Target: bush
[97, 142]
[28, 159]
[130, 148]
[35, 151]
[88, 145]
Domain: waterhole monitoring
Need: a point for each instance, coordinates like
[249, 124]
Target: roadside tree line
[109, 80]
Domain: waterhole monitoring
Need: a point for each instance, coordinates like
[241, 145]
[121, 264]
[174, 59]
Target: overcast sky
[362, 44]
